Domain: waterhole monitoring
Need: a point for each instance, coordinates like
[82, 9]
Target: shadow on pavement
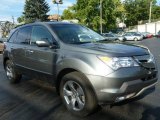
[150, 114]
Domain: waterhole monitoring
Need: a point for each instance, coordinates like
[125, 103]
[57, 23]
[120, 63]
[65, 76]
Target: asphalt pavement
[36, 100]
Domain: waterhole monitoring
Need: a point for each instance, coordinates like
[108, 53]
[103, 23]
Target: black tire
[117, 40]
[90, 99]
[135, 39]
[16, 77]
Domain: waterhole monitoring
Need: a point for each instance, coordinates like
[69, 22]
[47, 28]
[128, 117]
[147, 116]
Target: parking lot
[36, 100]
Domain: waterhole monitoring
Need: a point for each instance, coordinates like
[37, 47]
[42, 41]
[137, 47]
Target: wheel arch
[65, 71]
[4, 61]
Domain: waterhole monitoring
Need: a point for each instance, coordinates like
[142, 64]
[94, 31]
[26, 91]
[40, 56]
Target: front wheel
[135, 39]
[77, 95]
[12, 75]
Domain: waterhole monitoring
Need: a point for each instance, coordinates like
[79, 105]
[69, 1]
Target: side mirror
[42, 43]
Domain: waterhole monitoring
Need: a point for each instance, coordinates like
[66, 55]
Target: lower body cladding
[123, 84]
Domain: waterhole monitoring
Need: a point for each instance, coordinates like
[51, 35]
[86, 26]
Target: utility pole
[13, 19]
[150, 11]
[101, 26]
[58, 11]
[57, 2]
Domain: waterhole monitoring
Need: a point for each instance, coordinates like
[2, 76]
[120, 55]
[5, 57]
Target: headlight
[118, 62]
[151, 59]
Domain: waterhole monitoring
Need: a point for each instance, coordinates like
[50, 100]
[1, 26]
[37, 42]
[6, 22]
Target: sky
[9, 8]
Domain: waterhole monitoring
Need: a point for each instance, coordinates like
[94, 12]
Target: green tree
[35, 10]
[155, 12]
[88, 13]
[137, 10]
[21, 19]
[69, 13]
[6, 27]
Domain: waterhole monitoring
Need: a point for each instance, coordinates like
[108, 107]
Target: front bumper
[123, 84]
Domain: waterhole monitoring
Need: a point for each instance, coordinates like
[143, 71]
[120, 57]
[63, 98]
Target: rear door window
[23, 36]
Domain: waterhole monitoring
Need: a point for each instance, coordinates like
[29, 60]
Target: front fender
[75, 64]
[86, 66]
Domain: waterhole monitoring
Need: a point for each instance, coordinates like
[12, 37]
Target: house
[54, 17]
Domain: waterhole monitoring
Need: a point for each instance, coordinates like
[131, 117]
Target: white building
[153, 27]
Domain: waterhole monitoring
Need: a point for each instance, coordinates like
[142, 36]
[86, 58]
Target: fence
[153, 27]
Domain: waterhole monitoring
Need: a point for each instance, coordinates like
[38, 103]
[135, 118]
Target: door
[20, 40]
[41, 59]
[128, 36]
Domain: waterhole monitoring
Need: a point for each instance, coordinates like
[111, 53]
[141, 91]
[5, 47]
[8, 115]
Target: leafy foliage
[21, 19]
[138, 10]
[35, 10]
[88, 13]
[114, 11]
[69, 13]
[6, 27]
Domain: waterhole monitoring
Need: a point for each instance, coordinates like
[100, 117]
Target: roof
[43, 23]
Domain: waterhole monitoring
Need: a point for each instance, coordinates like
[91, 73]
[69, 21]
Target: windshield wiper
[80, 42]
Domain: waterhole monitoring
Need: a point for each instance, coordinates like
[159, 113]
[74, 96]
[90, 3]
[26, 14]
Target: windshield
[75, 34]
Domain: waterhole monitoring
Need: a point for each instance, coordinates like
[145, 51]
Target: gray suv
[87, 71]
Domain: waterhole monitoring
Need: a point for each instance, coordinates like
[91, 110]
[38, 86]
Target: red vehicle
[147, 35]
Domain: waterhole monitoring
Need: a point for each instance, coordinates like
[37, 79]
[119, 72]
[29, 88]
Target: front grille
[143, 61]
[149, 66]
[150, 77]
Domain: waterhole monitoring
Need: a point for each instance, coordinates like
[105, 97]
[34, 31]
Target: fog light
[118, 99]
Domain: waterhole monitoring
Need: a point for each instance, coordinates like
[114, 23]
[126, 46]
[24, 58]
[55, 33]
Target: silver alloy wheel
[135, 39]
[9, 71]
[74, 95]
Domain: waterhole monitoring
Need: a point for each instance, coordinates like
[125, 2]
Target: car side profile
[133, 36]
[86, 69]
[114, 37]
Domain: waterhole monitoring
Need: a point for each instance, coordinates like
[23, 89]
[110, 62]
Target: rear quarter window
[13, 36]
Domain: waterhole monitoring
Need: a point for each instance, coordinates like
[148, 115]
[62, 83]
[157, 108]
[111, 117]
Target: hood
[116, 49]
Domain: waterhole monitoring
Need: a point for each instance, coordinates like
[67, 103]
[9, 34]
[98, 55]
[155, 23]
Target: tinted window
[109, 35]
[40, 33]
[136, 34]
[127, 34]
[24, 35]
[13, 37]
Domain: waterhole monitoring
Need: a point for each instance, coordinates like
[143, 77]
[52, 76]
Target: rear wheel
[77, 94]
[12, 75]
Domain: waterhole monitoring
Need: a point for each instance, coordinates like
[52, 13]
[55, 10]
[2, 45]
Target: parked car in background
[133, 36]
[114, 37]
[146, 35]
[2, 40]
